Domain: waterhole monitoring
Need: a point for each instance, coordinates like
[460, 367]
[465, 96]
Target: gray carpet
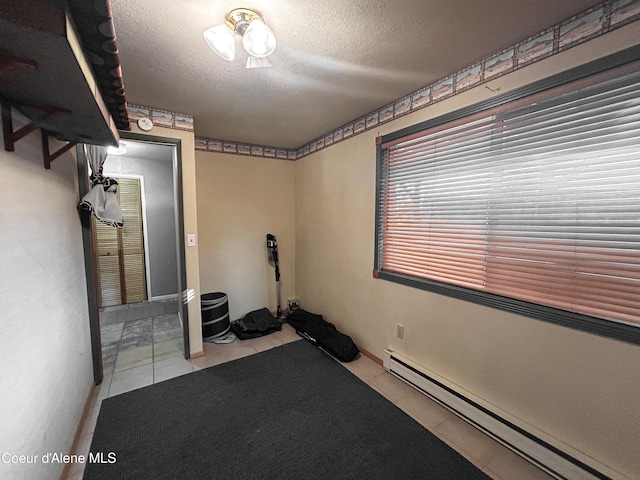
[288, 413]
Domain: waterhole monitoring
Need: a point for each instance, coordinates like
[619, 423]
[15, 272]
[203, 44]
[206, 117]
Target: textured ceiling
[334, 61]
[148, 151]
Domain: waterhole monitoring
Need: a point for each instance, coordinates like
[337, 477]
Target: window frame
[607, 328]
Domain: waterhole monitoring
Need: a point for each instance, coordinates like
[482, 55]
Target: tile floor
[491, 457]
[136, 337]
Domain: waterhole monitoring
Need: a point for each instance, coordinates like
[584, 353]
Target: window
[529, 203]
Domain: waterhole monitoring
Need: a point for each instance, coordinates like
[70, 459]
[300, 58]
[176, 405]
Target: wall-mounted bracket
[10, 63]
[48, 158]
[11, 137]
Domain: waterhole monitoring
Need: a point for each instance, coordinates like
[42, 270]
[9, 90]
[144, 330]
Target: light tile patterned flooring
[142, 340]
[139, 369]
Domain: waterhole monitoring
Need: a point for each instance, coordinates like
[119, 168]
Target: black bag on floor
[323, 334]
[256, 324]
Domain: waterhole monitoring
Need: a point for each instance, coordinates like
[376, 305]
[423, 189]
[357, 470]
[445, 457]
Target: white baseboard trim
[549, 458]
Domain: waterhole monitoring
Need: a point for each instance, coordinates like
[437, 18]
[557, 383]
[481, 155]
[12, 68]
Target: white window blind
[537, 200]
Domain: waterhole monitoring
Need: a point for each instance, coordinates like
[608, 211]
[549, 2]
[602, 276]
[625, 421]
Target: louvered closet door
[121, 251]
[132, 240]
[108, 264]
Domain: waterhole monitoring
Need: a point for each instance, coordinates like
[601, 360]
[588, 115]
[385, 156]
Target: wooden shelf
[45, 75]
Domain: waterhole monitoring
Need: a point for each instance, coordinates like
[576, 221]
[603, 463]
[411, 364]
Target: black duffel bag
[323, 334]
[256, 324]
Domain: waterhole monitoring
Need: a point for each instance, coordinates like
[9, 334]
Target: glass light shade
[222, 41]
[257, 62]
[258, 40]
[119, 150]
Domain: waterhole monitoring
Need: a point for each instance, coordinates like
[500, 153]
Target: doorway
[164, 280]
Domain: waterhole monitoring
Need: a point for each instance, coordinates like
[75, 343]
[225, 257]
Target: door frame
[89, 246]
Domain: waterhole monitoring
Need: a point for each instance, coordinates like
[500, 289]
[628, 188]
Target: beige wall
[576, 390]
[190, 216]
[240, 200]
[45, 348]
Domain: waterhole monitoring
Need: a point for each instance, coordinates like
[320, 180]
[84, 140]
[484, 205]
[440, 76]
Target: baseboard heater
[547, 457]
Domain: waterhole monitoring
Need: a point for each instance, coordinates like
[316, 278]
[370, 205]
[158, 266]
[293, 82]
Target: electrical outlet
[400, 331]
[293, 304]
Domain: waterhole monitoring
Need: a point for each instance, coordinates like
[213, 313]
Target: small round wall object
[145, 124]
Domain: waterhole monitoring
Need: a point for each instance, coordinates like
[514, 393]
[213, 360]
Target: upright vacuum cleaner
[272, 246]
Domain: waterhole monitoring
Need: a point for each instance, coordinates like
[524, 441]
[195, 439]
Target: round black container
[215, 314]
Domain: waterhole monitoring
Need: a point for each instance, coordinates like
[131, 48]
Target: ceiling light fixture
[121, 149]
[257, 39]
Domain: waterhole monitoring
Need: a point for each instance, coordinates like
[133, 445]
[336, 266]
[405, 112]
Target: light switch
[191, 240]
